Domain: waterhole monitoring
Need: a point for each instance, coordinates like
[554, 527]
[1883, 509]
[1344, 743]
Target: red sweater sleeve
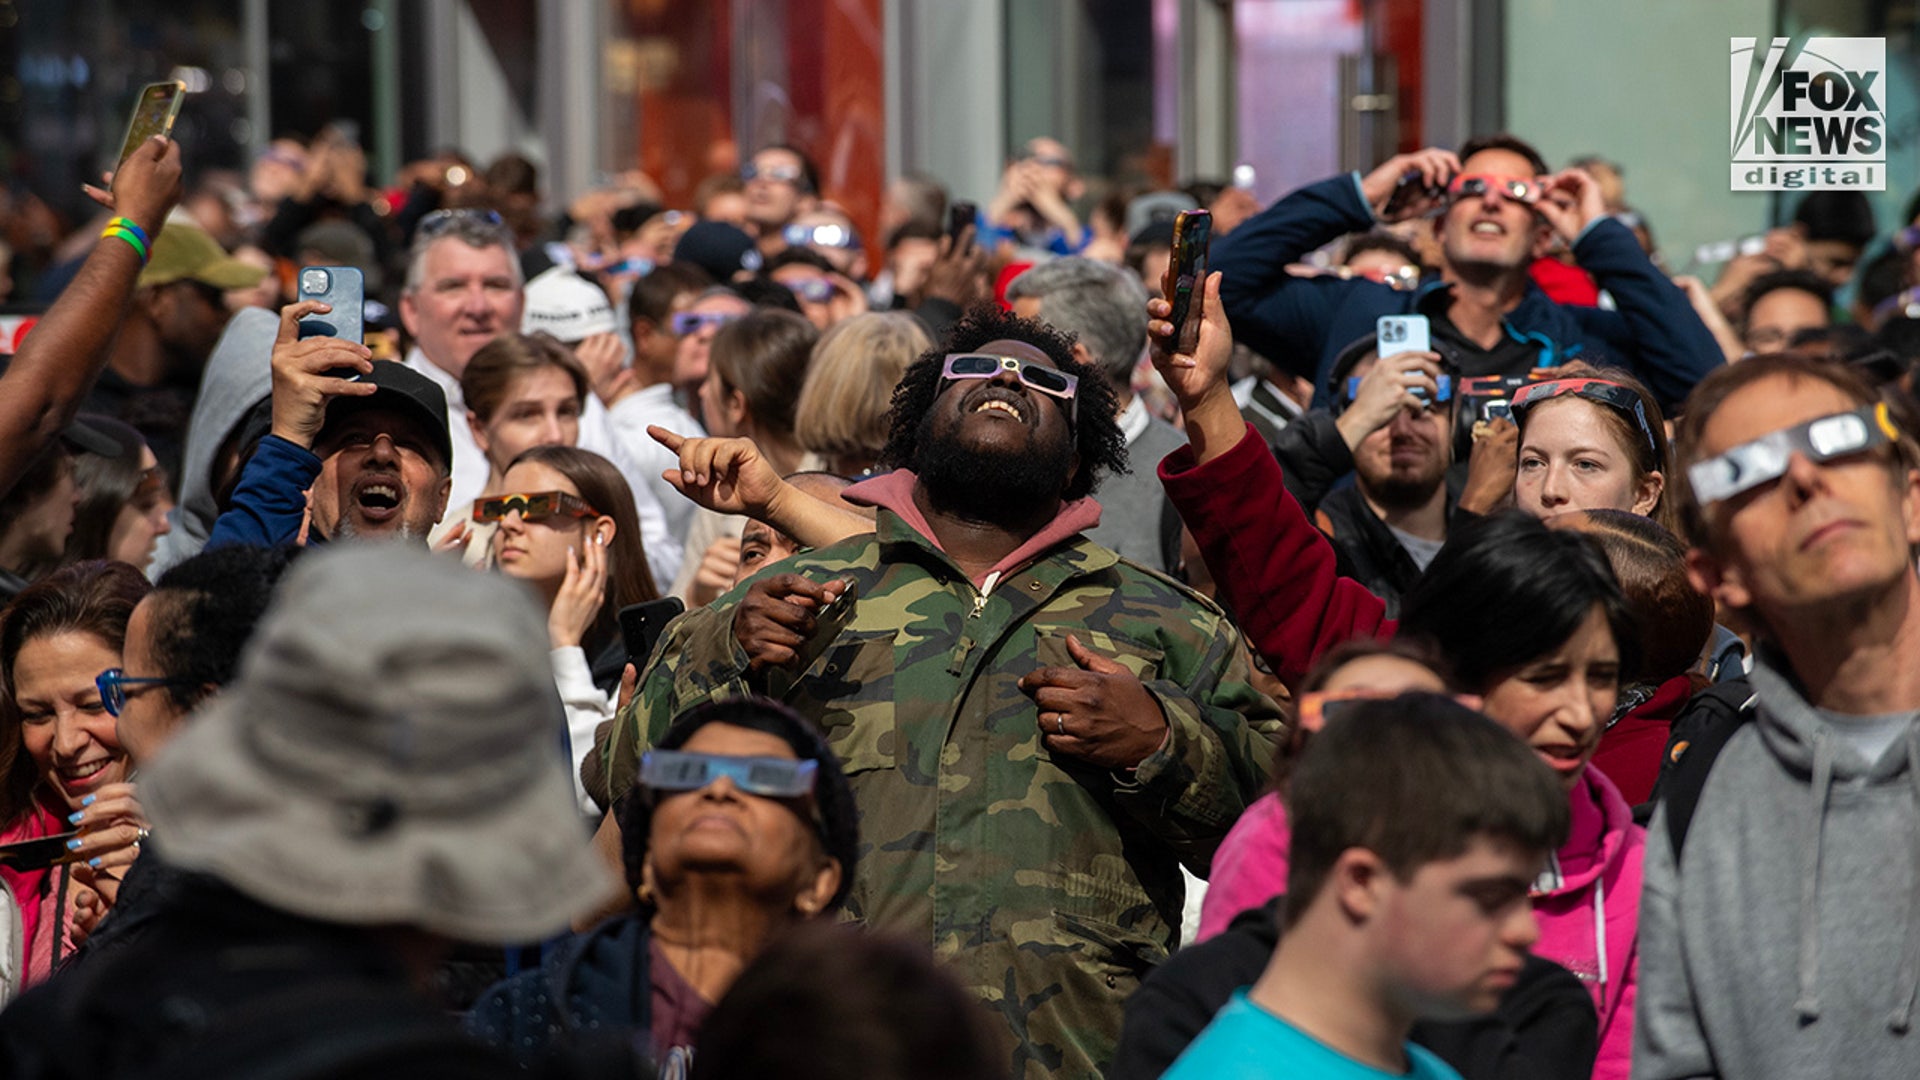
[1274, 571]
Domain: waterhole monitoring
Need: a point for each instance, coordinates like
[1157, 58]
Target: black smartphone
[960, 214]
[643, 625]
[153, 114]
[345, 290]
[1186, 281]
[827, 625]
[37, 854]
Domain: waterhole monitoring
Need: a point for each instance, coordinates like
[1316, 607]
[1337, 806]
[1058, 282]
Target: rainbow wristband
[133, 227]
[132, 241]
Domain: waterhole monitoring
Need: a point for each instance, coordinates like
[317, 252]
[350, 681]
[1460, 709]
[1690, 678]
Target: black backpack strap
[1719, 712]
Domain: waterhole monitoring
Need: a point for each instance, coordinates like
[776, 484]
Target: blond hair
[842, 412]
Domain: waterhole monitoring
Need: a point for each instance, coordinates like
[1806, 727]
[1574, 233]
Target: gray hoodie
[239, 373]
[1787, 943]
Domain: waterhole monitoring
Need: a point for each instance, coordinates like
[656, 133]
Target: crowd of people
[736, 646]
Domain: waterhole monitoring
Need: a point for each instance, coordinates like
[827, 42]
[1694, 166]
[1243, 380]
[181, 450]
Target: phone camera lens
[313, 282]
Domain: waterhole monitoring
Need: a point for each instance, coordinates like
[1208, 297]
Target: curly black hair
[839, 819]
[204, 611]
[1101, 444]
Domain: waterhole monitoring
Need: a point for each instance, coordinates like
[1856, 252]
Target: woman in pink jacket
[1529, 618]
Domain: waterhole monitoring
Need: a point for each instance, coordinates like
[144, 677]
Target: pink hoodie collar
[894, 491]
[1601, 822]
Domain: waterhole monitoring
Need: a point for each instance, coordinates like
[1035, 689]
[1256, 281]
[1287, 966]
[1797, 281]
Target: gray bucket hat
[388, 754]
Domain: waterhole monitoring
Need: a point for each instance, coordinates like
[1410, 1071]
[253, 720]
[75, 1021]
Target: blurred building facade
[1143, 91]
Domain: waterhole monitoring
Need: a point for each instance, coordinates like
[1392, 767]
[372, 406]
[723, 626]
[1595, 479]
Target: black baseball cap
[718, 248]
[404, 391]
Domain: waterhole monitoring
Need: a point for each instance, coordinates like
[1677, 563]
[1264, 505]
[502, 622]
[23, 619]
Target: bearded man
[1038, 733]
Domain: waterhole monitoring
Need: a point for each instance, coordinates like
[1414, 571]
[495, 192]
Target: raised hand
[727, 476]
[1435, 166]
[1385, 390]
[581, 593]
[146, 187]
[1199, 379]
[305, 375]
[1492, 466]
[1572, 199]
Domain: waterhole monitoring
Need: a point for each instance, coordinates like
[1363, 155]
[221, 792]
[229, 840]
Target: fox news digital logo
[1809, 117]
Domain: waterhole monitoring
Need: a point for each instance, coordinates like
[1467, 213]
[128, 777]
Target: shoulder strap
[1732, 705]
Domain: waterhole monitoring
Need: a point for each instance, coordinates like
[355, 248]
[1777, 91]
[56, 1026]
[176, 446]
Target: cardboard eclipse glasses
[1822, 439]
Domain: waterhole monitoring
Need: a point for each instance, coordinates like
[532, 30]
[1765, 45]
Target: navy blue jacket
[271, 499]
[1302, 323]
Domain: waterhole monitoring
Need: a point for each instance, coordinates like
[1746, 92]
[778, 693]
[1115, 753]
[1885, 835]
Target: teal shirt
[1246, 1042]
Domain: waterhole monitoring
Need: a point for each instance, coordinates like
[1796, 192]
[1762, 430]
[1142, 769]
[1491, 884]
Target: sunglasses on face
[1050, 381]
[445, 221]
[786, 174]
[1749, 465]
[1514, 189]
[813, 290]
[680, 770]
[1611, 394]
[688, 322]
[535, 506]
[825, 235]
[113, 683]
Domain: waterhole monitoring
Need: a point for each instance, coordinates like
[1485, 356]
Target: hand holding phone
[345, 290]
[1185, 282]
[643, 625]
[961, 215]
[1402, 333]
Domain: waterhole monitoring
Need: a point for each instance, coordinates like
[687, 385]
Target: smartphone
[39, 853]
[826, 627]
[1402, 333]
[1186, 281]
[643, 625]
[153, 114]
[1496, 410]
[960, 214]
[345, 289]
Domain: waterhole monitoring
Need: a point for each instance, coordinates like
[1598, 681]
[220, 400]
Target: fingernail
[94, 862]
[88, 801]
[73, 844]
[74, 818]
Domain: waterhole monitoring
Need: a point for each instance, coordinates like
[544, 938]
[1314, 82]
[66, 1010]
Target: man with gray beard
[358, 449]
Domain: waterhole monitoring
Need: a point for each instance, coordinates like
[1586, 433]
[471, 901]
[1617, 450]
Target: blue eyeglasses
[113, 682]
[682, 770]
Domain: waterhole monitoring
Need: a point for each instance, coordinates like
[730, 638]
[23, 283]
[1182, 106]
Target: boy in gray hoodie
[1784, 939]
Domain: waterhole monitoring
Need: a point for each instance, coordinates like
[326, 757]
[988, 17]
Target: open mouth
[1488, 228]
[999, 406]
[377, 500]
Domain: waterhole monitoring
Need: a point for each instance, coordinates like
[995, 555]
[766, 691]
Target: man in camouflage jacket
[1037, 732]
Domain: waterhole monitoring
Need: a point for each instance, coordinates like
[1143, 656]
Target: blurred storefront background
[1142, 91]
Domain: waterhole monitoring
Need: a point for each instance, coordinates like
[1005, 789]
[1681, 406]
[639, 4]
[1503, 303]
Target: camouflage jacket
[1048, 886]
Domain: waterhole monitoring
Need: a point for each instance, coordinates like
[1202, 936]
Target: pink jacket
[1249, 867]
[1590, 921]
[46, 912]
[1593, 912]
